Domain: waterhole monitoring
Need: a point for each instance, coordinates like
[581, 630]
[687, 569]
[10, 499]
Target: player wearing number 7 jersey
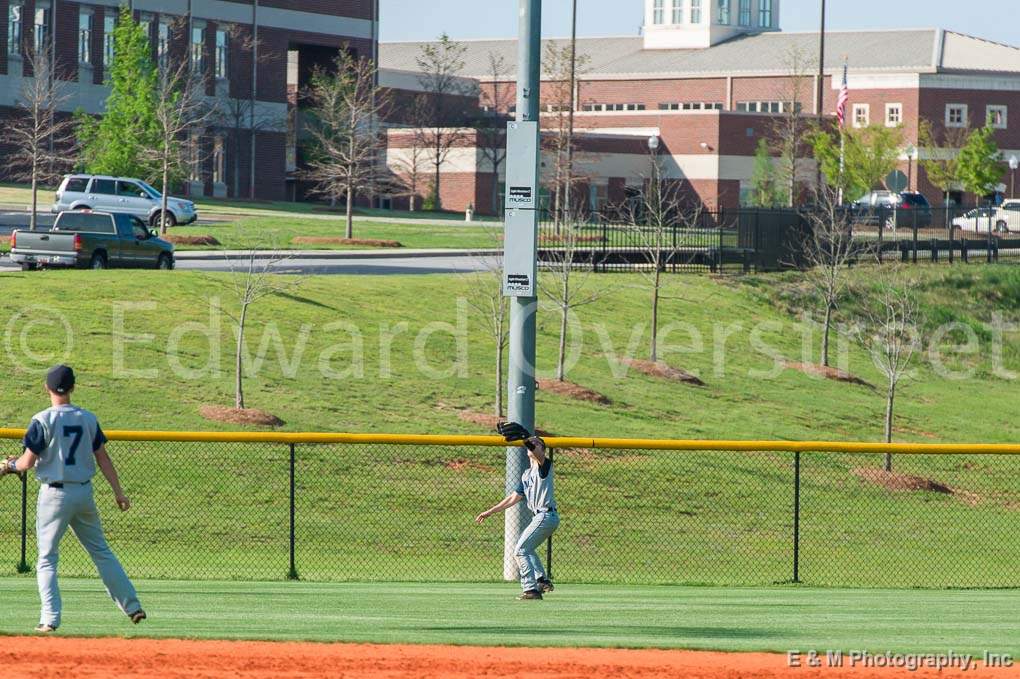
[65, 444]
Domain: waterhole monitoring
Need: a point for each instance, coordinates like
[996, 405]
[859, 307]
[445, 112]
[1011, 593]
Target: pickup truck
[93, 240]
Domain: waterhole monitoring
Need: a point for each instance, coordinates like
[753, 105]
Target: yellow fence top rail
[562, 442]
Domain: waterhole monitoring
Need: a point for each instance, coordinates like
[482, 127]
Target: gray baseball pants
[538, 531]
[74, 506]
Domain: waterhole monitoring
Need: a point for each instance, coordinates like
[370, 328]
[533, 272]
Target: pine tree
[118, 143]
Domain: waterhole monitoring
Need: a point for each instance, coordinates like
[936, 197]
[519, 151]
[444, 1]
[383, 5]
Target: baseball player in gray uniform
[65, 444]
[536, 488]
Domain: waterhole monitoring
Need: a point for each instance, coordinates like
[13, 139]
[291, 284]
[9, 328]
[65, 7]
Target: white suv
[121, 194]
[1007, 217]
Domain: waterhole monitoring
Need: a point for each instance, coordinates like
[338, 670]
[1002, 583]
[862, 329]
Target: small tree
[566, 288]
[484, 294]
[891, 336]
[789, 131]
[439, 66]
[37, 133]
[252, 280]
[181, 113]
[561, 68]
[411, 164]
[980, 162]
[766, 191]
[491, 126]
[119, 142]
[828, 251]
[652, 225]
[343, 126]
[869, 153]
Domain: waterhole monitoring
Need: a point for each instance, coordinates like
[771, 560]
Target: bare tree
[37, 133]
[828, 251]
[411, 163]
[561, 70]
[439, 66]
[343, 126]
[182, 113]
[491, 127]
[252, 279]
[890, 334]
[484, 294]
[788, 132]
[652, 223]
[566, 288]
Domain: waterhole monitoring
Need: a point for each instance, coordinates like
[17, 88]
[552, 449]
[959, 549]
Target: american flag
[844, 97]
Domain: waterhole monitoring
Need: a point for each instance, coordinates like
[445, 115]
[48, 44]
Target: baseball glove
[512, 431]
[6, 467]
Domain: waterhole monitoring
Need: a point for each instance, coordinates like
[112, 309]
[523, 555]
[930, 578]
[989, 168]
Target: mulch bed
[574, 391]
[828, 372]
[250, 416]
[191, 240]
[663, 370]
[326, 240]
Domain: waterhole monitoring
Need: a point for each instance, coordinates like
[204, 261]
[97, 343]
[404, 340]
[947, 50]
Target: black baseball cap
[60, 379]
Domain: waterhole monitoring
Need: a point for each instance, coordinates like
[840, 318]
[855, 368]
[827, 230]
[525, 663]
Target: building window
[659, 12]
[996, 117]
[85, 36]
[745, 12]
[194, 159]
[765, 13]
[893, 115]
[219, 162]
[221, 54]
[41, 33]
[862, 115]
[198, 49]
[956, 115]
[163, 42]
[678, 11]
[109, 27]
[145, 23]
[691, 106]
[724, 12]
[14, 29]
[614, 107]
[695, 11]
[767, 107]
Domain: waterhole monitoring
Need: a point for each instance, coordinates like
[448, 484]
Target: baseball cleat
[529, 595]
[137, 616]
[545, 586]
[45, 629]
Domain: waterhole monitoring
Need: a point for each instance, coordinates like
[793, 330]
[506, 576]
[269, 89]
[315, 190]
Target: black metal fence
[753, 239]
[375, 512]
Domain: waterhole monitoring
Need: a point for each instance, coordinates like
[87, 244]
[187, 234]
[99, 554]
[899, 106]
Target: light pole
[911, 152]
[653, 151]
[1014, 163]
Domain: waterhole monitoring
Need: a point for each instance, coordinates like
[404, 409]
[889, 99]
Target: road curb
[328, 255]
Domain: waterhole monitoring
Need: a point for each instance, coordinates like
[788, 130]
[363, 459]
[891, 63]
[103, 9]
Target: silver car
[121, 194]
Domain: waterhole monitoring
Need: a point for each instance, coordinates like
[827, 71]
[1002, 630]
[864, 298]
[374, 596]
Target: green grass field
[731, 619]
[372, 512]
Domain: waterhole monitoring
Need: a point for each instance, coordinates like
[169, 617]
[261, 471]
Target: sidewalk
[383, 253]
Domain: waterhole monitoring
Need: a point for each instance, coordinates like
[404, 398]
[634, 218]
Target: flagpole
[842, 129]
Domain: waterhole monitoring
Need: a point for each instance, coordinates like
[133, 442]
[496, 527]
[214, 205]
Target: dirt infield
[174, 659]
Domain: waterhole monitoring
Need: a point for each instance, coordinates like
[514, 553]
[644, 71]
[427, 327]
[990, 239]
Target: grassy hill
[372, 512]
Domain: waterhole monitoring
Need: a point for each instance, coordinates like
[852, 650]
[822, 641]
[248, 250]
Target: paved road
[380, 266]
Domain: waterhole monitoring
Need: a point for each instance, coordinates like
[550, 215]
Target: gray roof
[915, 50]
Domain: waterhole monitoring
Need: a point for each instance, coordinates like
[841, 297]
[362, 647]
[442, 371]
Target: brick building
[708, 78]
[255, 54]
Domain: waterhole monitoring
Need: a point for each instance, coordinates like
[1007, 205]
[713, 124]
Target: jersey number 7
[76, 434]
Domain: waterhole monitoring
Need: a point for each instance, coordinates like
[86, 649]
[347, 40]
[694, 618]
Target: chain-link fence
[386, 512]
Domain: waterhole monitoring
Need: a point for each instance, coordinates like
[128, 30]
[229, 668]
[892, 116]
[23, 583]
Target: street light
[653, 188]
[1014, 163]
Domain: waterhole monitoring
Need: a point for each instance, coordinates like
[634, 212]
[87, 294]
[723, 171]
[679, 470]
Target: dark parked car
[93, 240]
[893, 210]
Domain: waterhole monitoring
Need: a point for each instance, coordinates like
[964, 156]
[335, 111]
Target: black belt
[74, 483]
[546, 510]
